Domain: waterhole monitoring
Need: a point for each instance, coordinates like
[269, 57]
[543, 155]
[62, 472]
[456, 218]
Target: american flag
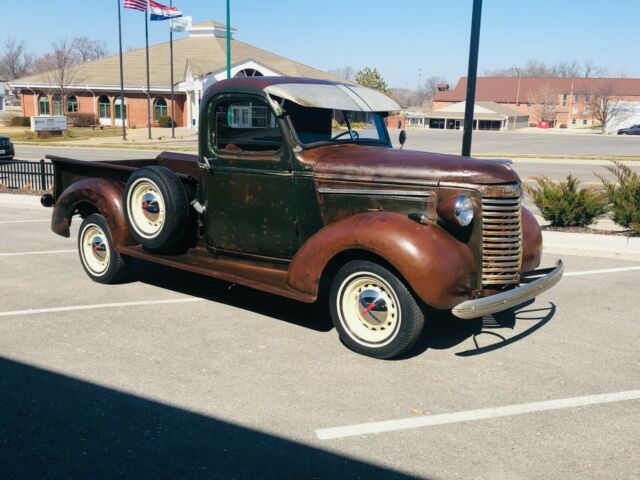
[136, 4]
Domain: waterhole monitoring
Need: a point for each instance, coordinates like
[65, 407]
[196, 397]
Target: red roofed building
[570, 96]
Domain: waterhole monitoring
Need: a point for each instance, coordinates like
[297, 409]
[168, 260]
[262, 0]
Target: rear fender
[441, 270]
[102, 194]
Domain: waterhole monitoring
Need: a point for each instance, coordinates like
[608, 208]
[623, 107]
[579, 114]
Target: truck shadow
[443, 330]
[313, 316]
[58, 427]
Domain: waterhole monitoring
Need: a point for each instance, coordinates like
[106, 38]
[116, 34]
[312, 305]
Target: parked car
[632, 130]
[279, 200]
[7, 152]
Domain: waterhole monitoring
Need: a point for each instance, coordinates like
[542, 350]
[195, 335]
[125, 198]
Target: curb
[591, 245]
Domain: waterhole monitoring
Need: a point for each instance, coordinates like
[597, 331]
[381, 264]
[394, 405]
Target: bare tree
[15, 62]
[88, 49]
[563, 69]
[348, 72]
[605, 105]
[566, 69]
[60, 68]
[544, 102]
[591, 70]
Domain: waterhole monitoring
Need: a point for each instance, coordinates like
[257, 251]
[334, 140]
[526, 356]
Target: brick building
[199, 60]
[569, 98]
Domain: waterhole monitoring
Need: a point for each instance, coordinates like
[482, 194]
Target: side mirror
[403, 138]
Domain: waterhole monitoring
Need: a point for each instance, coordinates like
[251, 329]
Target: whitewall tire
[373, 311]
[98, 255]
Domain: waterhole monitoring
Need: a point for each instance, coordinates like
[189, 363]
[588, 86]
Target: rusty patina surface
[441, 270]
[89, 195]
[278, 221]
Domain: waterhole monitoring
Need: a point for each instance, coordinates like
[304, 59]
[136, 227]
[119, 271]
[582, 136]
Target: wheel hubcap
[146, 208]
[369, 309]
[95, 250]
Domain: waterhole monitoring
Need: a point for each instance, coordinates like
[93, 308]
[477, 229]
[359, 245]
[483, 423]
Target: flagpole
[124, 115]
[173, 120]
[228, 40]
[146, 31]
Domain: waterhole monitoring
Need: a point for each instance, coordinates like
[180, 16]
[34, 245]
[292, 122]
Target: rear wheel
[373, 311]
[98, 255]
[156, 208]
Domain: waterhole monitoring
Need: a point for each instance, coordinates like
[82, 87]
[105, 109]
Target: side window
[244, 126]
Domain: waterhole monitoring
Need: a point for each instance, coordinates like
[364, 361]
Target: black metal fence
[32, 175]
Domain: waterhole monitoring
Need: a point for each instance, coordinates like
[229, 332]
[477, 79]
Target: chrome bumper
[536, 282]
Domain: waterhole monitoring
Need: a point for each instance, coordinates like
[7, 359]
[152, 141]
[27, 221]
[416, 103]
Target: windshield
[321, 126]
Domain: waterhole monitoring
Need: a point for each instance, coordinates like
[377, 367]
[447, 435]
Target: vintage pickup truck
[296, 181]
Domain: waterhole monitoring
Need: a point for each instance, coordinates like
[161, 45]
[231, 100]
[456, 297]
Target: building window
[249, 72]
[573, 121]
[72, 104]
[43, 106]
[565, 97]
[576, 98]
[159, 108]
[118, 107]
[57, 105]
[584, 121]
[104, 107]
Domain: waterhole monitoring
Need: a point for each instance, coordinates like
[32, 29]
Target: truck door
[249, 188]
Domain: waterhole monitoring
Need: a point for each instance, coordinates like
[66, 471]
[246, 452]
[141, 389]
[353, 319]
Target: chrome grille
[501, 241]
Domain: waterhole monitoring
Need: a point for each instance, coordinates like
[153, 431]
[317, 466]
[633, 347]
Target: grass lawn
[22, 134]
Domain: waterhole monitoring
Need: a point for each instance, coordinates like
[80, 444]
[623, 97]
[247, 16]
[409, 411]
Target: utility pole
[122, 105]
[228, 40]
[173, 105]
[471, 77]
[517, 95]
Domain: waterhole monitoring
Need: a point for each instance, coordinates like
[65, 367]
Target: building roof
[505, 89]
[483, 110]
[203, 55]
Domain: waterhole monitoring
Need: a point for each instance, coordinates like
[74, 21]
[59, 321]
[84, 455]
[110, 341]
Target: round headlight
[463, 210]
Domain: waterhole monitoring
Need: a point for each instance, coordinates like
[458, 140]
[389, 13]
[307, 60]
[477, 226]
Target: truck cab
[296, 181]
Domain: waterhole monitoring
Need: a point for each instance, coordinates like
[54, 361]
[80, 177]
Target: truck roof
[308, 92]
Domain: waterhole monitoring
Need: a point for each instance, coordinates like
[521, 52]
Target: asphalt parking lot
[173, 375]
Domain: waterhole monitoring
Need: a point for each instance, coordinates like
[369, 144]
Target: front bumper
[533, 284]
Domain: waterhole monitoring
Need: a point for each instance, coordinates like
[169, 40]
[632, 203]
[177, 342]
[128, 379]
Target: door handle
[205, 164]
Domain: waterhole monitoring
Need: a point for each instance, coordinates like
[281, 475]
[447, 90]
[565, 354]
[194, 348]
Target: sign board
[48, 124]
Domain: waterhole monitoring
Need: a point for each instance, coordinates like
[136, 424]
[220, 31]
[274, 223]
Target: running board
[265, 276]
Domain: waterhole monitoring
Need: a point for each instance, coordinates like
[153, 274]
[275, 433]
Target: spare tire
[156, 208]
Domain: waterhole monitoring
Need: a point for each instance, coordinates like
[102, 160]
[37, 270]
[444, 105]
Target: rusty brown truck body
[296, 181]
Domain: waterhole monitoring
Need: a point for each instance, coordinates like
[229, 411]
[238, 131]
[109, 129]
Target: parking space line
[604, 270]
[43, 252]
[35, 311]
[471, 415]
[24, 221]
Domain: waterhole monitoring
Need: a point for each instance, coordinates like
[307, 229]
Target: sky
[399, 38]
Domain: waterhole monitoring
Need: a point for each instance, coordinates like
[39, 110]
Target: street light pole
[471, 77]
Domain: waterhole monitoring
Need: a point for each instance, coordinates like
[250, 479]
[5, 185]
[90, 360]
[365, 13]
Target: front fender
[104, 195]
[441, 270]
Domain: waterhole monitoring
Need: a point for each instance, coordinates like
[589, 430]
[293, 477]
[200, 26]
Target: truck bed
[69, 170]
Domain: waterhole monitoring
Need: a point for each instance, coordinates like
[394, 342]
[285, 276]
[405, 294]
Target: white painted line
[44, 252]
[98, 306]
[24, 221]
[471, 415]
[604, 270]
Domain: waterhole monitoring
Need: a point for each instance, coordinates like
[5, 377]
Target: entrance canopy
[334, 96]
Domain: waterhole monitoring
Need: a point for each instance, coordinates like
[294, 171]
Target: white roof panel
[334, 96]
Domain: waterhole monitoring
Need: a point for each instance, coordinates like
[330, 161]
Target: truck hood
[379, 163]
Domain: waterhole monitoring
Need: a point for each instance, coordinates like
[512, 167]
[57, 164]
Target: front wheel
[373, 311]
[98, 255]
